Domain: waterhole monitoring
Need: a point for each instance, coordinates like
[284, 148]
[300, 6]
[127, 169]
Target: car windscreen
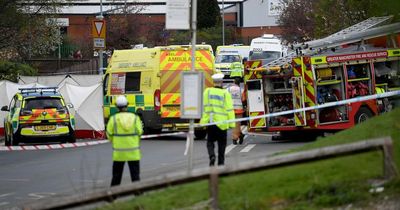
[43, 103]
[270, 55]
[227, 58]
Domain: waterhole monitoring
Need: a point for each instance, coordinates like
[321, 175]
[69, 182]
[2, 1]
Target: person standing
[236, 93]
[218, 107]
[124, 130]
[236, 70]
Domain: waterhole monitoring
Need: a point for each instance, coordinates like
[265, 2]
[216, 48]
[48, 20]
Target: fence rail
[384, 144]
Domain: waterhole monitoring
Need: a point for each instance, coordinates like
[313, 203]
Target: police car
[38, 115]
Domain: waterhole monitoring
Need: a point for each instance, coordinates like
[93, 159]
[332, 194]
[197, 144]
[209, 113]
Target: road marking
[4, 203]
[7, 194]
[14, 180]
[229, 148]
[248, 148]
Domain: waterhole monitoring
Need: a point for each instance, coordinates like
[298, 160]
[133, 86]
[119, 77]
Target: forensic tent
[59, 80]
[87, 102]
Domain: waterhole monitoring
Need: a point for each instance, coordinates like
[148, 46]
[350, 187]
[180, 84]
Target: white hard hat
[121, 101]
[217, 77]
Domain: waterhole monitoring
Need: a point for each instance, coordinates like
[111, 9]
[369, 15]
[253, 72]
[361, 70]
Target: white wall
[260, 13]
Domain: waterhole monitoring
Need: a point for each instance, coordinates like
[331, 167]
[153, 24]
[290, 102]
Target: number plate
[45, 127]
[172, 108]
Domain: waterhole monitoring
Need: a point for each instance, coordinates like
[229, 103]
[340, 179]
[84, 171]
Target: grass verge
[320, 185]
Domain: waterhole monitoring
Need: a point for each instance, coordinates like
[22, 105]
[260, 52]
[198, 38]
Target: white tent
[88, 106]
[87, 102]
[59, 80]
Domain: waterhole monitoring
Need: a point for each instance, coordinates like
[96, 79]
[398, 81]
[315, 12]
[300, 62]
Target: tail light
[157, 100]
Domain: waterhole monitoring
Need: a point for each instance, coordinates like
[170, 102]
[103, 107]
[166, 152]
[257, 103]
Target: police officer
[236, 93]
[124, 130]
[236, 70]
[217, 107]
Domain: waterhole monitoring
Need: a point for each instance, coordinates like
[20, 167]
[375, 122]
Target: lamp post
[223, 23]
[101, 50]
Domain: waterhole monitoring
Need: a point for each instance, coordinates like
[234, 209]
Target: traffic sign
[99, 43]
[99, 29]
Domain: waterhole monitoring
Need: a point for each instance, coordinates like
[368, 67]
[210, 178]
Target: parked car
[38, 115]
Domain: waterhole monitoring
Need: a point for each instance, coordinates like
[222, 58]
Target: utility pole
[191, 121]
[223, 23]
[101, 50]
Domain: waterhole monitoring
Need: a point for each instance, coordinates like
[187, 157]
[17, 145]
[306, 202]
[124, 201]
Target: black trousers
[214, 134]
[118, 169]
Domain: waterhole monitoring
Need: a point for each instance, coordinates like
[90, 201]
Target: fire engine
[361, 60]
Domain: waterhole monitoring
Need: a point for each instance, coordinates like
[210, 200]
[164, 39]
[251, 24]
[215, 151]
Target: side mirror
[70, 105]
[5, 108]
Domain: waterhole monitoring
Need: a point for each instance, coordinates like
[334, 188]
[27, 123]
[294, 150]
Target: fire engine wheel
[200, 134]
[362, 115]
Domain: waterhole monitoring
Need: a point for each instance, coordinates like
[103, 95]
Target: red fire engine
[345, 65]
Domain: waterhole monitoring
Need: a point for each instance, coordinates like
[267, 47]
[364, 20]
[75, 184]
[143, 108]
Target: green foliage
[25, 32]
[208, 14]
[10, 71]
[310, 19]
[325, 184]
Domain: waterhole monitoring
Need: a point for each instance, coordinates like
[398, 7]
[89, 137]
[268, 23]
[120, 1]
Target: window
[132, 82]
[43, 103]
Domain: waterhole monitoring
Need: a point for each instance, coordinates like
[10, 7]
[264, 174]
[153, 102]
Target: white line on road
[229, 148]
[14, 180]
[248, 148]
[7, 194]
[4, 203]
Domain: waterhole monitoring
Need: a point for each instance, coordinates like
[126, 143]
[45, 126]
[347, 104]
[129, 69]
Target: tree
[10, 71]
[208, 14]
[25, 29]
[303, 20]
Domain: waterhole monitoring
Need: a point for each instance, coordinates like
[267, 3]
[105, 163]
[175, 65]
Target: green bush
[10, 70]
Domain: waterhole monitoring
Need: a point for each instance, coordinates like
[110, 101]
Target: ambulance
[150, 79]
[227, 54]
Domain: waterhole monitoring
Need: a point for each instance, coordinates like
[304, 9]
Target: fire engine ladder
[366, 29]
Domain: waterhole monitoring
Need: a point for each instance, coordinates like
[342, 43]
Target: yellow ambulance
[150, 79]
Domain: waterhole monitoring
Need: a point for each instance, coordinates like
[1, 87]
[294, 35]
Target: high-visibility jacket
[218, 107]
[124, 130]
[236, 94]
[236, 69]
[379, 90]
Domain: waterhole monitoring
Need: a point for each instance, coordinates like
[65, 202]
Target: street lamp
[223, 23]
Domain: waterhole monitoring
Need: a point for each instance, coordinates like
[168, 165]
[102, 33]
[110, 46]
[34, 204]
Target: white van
[266, 48]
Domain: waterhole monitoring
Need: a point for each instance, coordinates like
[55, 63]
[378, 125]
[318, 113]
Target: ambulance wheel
[362, 115]
[200, 134]
[71, 138]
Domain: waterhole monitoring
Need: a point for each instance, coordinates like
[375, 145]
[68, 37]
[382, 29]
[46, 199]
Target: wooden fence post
[389, 170]
[213, 187]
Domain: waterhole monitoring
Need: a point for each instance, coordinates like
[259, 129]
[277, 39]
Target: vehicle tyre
[6, 140]
[200, 134]
[72, 138]
[14, 140]
[362, 115]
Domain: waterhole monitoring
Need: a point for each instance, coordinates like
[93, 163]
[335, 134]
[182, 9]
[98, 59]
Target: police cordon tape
[329, 104]
[73, 145]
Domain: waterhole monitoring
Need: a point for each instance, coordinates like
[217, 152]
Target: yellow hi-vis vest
[218, 107]
[124, 130]
[236, 69]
